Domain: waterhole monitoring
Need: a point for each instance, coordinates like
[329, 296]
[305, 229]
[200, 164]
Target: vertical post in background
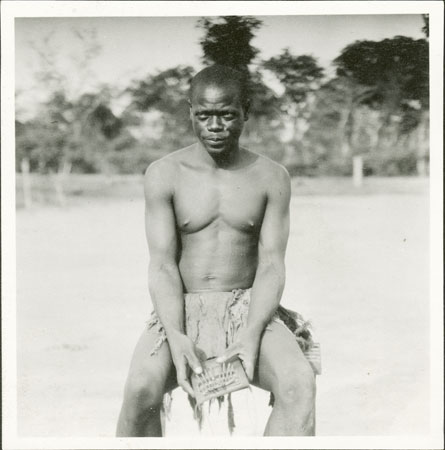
[357, 170]
[421, 167]
[59, 180]
[26, 180]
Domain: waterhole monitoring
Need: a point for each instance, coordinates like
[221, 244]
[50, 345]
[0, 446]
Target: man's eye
[229, 116]
[202, 116]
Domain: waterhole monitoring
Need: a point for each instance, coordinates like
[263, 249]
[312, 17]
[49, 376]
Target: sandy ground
[357, 267]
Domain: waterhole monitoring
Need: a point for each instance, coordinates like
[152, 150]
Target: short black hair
[219, 75]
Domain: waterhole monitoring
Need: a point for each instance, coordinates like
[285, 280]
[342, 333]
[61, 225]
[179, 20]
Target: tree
[329, 134]
[426, 24]
[71, 128]
[166, 93]
[53, 62]
[227, 41]
[70, 133]
[395, 69]
[395, 76]
[264, 115]
[301, 77]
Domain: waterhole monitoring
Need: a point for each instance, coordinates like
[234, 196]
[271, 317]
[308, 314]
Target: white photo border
[15, 9]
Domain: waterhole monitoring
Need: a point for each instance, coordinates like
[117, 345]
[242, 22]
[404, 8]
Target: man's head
[222, 76]
[219, 107]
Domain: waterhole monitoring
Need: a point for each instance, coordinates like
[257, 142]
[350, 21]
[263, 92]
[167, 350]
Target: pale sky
[135, 46]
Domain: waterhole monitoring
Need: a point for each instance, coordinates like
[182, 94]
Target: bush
[391, 165]
[133, 161]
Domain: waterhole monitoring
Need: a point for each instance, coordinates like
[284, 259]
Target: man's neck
[226, 160]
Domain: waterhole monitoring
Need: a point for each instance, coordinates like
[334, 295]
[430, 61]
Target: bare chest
[235, 199]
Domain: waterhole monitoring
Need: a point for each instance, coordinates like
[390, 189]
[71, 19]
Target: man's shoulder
[161, 174]
[270, 168]
[169, 164]
[274, 177]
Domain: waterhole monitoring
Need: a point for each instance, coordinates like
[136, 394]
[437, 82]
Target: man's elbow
[158, 269]
[274, 271]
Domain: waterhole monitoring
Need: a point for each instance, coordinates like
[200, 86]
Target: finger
[249, 368]
[187, 387]
[229, 354]
[200, 354]
[194, 363]
[248, 365]
[183, 381]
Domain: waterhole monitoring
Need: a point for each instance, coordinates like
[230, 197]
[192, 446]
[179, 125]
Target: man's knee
[143, 394]
[295, 386]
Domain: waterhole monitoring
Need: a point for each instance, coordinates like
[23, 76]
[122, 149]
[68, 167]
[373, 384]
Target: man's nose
[215, 123]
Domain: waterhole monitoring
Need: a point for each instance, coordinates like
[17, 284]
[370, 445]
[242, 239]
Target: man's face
[217, 117]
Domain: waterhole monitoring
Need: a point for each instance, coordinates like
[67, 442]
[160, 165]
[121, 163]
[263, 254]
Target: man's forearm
[166, 292]
[266, 295]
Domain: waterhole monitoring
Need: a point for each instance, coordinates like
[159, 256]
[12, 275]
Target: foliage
[300, 75]
[227, 40]
[166, 92]
[376, 105]
[263, 100]
[51, 76]
[80, 132]
[426, 24]
[391, 105]
[395, 69]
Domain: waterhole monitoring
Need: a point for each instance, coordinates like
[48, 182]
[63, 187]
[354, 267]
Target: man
[217, 223]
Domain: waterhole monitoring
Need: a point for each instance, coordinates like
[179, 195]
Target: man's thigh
[281, 361]
[154, 370]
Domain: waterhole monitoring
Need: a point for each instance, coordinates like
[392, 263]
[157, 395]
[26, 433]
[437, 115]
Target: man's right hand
[184, 355]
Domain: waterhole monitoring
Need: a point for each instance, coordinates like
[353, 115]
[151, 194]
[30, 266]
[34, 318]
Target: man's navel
[209, 277]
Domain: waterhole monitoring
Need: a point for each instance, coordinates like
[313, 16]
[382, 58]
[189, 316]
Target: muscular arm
[270, 274]
[165, 284]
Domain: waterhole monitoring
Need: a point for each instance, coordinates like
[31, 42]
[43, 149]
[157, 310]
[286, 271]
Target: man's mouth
[216, 142]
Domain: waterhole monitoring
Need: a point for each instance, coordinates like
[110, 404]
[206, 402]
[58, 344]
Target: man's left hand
[245, 348]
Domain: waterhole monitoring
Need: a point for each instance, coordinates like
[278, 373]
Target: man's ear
[190, 107]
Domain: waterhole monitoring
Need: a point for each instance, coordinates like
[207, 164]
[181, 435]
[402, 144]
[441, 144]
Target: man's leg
[284, 371]
[150, 376]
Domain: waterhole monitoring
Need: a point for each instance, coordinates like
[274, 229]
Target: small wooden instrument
[218, 379]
